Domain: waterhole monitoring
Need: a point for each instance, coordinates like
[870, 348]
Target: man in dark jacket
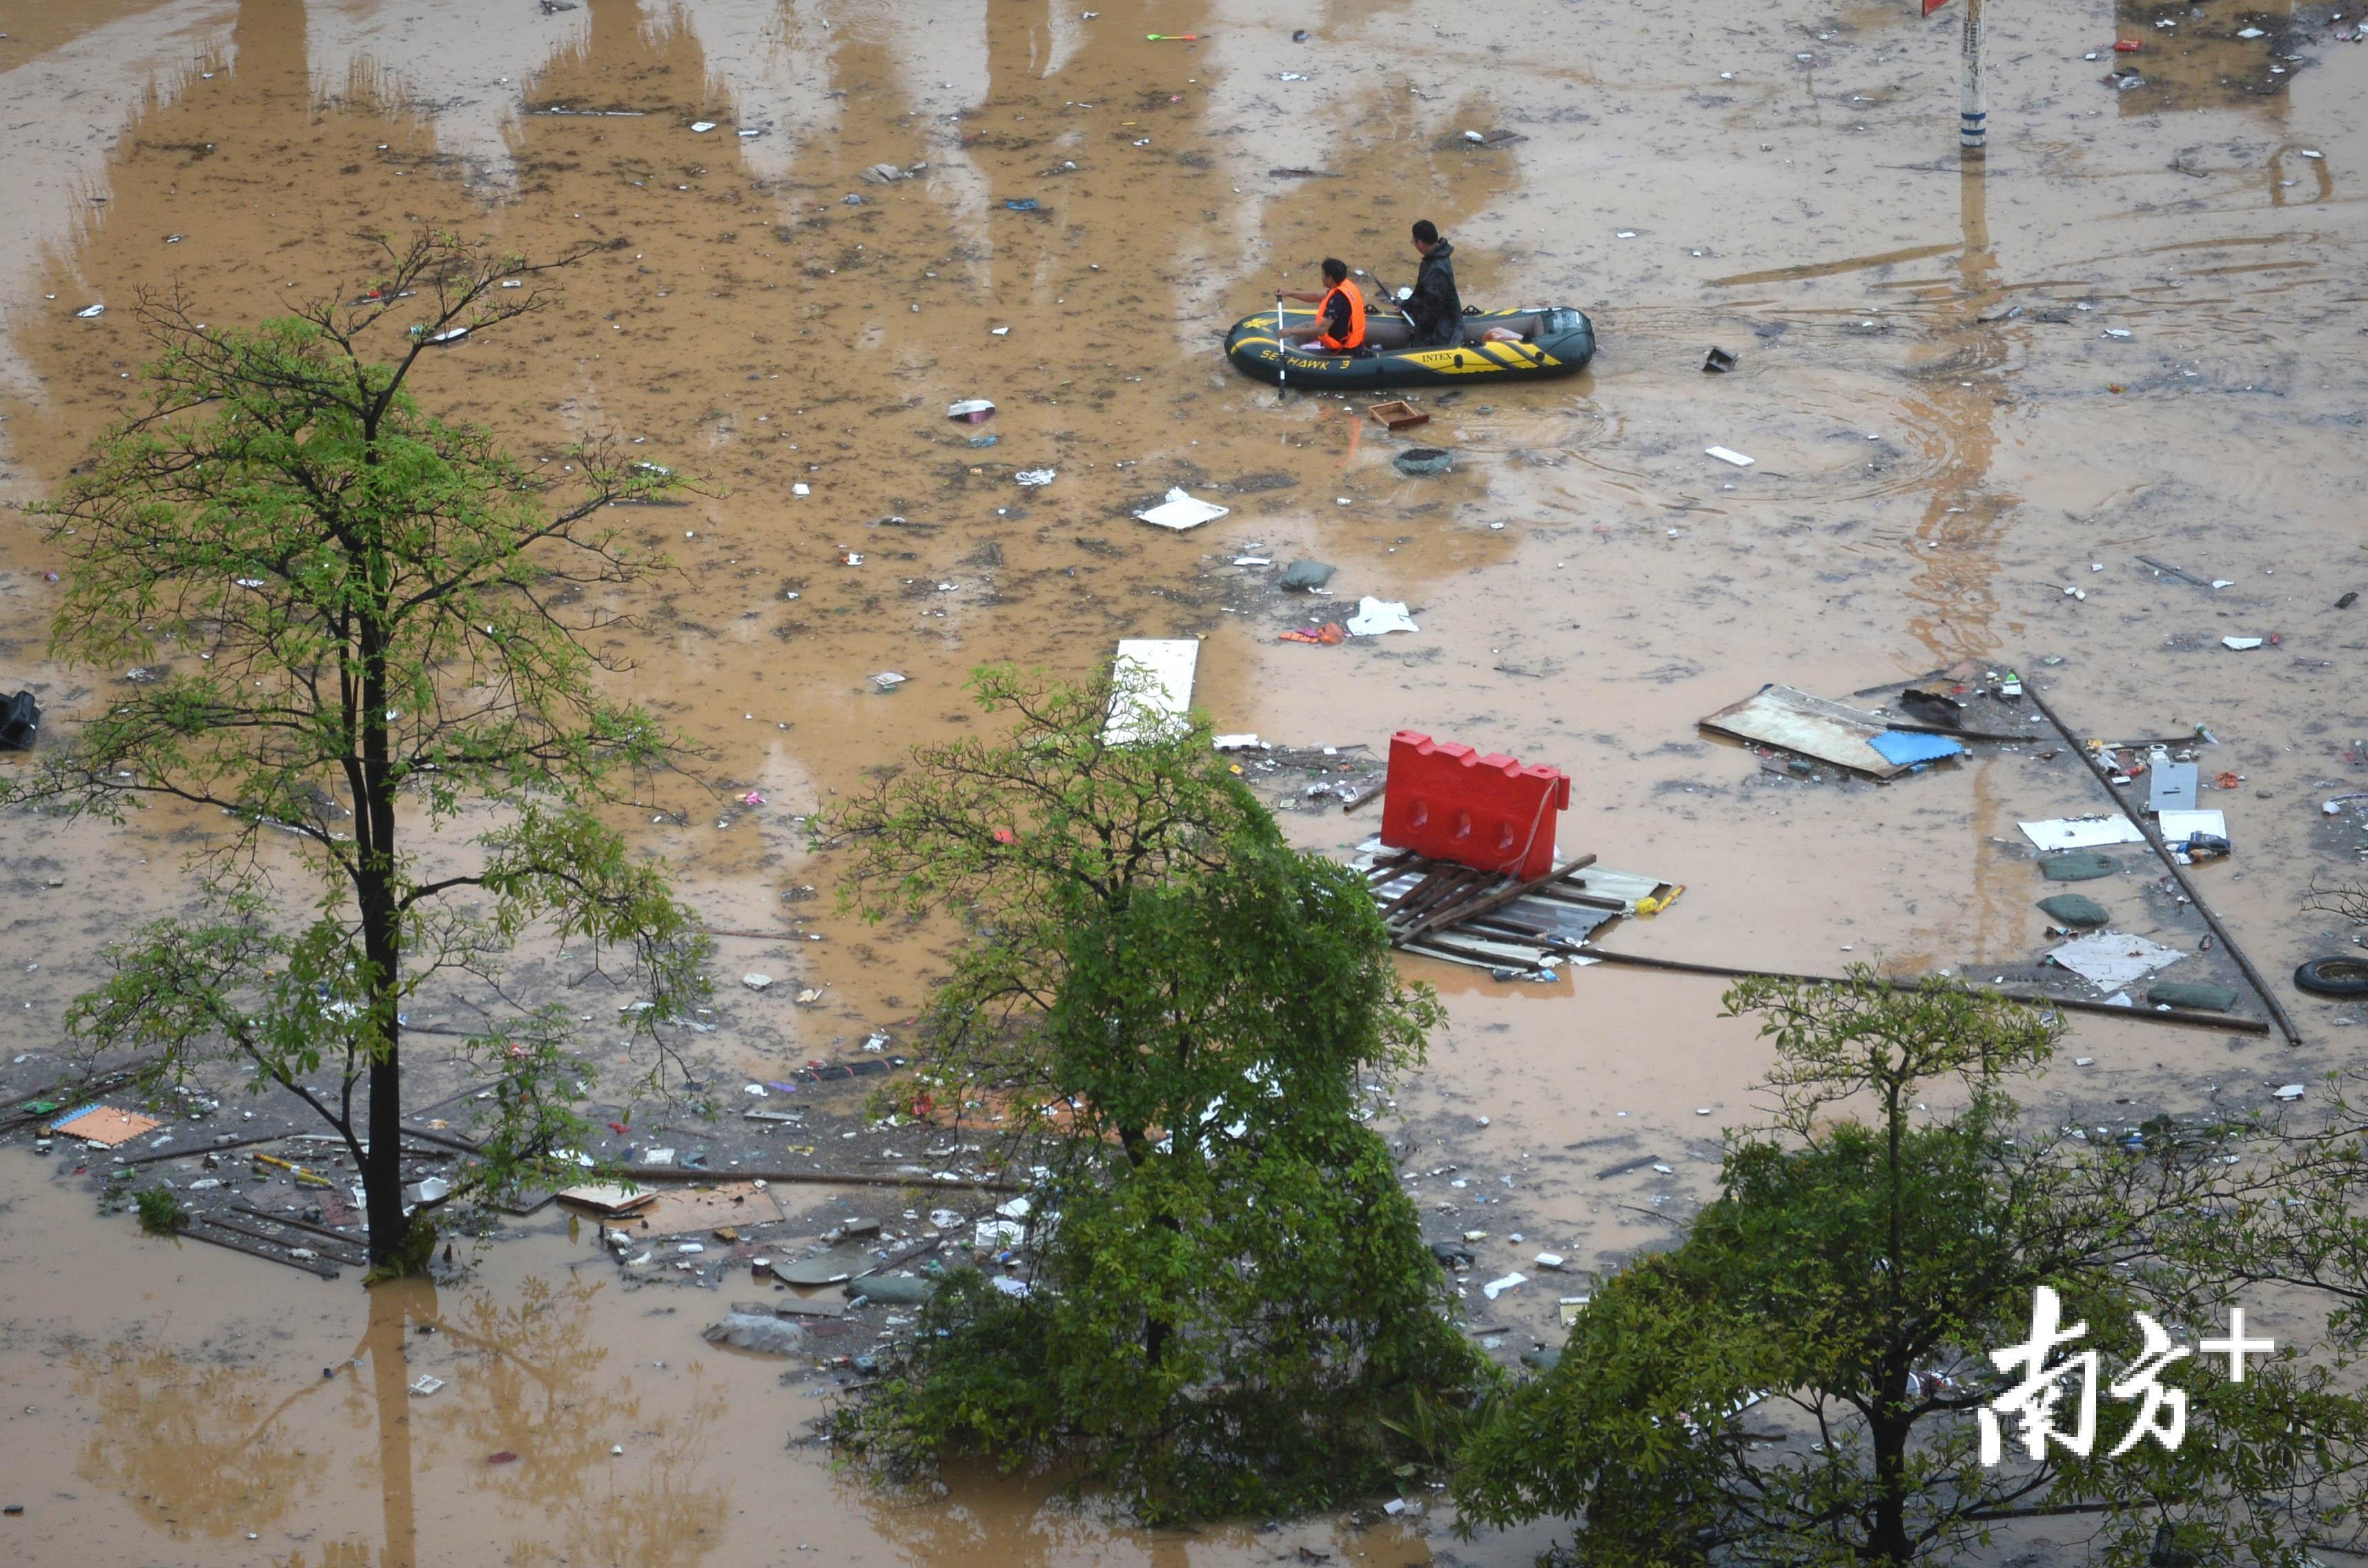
[1435, 310]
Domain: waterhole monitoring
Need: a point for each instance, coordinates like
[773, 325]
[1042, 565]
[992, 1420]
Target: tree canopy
[1230, 1307]
[356, 624]
[1801, 1379]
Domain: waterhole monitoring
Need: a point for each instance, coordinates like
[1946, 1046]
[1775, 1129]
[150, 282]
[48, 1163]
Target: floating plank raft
[1832, 733]
[1490, 921]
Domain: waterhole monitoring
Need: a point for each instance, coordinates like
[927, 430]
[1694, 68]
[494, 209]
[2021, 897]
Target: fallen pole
[2036, 998]
[446, 1138]
[350, 1254]
[196, 1151]
[2171, 863]
[647, 1174]
[321, 1270]
[294, 1223]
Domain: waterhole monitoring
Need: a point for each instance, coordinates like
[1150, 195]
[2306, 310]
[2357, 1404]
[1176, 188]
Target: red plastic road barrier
[1449, 802]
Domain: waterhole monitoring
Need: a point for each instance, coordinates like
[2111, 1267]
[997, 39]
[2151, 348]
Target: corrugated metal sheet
[1539, 930]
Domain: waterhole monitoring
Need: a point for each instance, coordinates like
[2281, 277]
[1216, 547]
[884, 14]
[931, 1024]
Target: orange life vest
[1356, 337]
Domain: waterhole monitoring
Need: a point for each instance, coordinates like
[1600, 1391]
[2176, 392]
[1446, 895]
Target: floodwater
[2132, 330]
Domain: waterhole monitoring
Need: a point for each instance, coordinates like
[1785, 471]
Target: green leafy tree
[1800, 1381]
[358, 623]
[1174, 1013]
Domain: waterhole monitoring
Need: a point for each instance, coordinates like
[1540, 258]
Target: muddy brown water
[1950, 432]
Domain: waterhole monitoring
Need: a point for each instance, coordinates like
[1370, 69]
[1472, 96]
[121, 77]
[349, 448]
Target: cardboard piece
[685, 1211]
[603, 1198]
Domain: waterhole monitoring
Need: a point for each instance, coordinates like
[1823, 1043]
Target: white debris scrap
[2111, 960]
[1375, 616]
[1181, 511]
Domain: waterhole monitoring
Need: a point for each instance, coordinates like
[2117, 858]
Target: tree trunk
[1137, 1144]
[383, 944]
[383, 1165]
[1887, 1541]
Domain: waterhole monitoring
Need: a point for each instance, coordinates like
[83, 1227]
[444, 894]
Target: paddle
[1281, 352]
[1402, 314]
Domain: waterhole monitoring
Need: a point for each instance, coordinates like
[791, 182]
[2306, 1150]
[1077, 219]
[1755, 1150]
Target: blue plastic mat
[1904, 748]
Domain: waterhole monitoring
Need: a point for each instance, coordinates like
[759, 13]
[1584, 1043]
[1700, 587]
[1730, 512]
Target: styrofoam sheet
[1181, 511]
[2081, 832]
[1156, 674]
[2177, 825]
[2111, 960]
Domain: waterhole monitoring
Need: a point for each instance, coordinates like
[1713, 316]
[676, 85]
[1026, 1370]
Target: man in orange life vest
[1339, 313]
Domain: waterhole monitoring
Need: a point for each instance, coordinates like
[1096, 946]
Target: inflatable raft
[1554, 341]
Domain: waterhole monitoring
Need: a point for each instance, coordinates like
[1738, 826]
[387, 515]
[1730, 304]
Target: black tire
[2334, 977]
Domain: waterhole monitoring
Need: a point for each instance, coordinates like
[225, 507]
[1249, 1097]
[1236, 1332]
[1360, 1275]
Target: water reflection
[523, 1428]
[541, 1387]
[979, 1518]
[197, 1449]
[1962, 372]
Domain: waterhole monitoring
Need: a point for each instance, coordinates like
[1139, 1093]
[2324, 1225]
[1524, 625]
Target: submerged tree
[1802, 1380]
[1175, 1016]
[360, 622]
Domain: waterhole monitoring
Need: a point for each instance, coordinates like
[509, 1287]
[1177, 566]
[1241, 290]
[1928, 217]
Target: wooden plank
[1435, 872]
[1488, 902]
[1463, 884]
[1590, 901]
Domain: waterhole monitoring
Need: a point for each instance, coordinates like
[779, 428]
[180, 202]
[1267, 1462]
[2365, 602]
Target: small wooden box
[1399, 415]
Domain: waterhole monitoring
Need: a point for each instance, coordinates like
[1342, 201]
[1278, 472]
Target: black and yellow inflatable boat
[1554, 341]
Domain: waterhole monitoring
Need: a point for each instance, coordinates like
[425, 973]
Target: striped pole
[1972, 119]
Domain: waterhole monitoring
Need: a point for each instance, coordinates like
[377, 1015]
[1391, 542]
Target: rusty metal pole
[2171, 863]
